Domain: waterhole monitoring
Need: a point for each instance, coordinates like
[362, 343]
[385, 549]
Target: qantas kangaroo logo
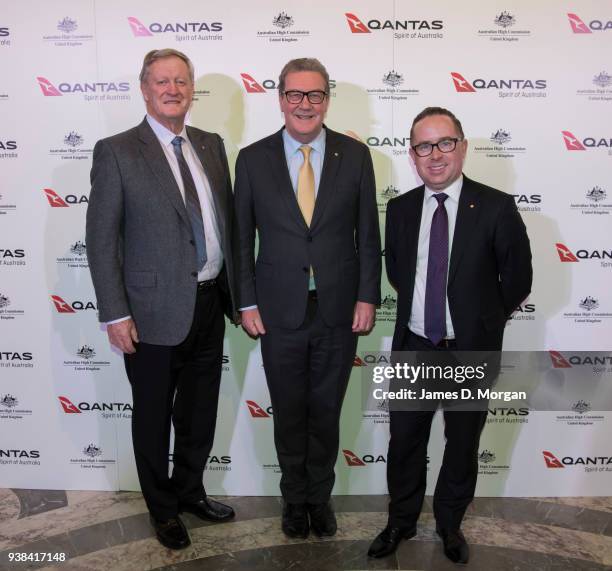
[551, 460]
[356, 25]
[48, 89]
[578, 26]
[565, 254]
[256, 411]
[138, 29]
[462, 85]
[60, 305]
[250, 84]
[54, 200]
[68, 407]
[571, 142]
[352, 459]
[558, 360]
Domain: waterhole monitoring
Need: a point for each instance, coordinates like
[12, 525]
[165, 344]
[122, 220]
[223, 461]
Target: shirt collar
[453, 190]
[164, 134]
[292, 146]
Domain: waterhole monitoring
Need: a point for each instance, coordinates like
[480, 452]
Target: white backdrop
[532, 86]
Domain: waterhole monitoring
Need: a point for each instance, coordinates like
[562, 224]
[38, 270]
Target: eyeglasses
[444, 146]
[314, 97]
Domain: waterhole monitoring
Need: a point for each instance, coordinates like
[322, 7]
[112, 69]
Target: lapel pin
[471, 206]
[335, 154]
[203, 147]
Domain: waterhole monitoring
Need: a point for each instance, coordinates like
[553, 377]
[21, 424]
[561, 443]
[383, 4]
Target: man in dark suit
[310, 194]
[458, 254]
[159, 228]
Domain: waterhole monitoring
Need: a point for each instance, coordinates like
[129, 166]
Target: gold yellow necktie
[306, 186]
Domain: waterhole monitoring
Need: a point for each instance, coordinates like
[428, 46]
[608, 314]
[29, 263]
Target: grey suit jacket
[342, 244]
[139, 240]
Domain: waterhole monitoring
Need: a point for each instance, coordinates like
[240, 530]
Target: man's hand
[123, 335]
[363, 317]
[252, 323]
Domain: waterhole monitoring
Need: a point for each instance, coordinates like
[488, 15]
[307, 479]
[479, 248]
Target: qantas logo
[356, 25]
[571, 142]
[256, 411]
[358, 362]
[250, 84]
[54, 200]
[138, 29]
[48, 89]
[60, 305]
[352, 459]
[462, 85]
[68, 407]
[551, 460]
[565, 254]
[558, 360]
[579, 27]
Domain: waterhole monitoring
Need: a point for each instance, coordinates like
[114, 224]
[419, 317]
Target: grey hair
[302, 64]
[155, 55]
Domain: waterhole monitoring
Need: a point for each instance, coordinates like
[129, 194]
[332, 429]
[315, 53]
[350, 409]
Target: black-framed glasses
[444, 146]
[314, 97]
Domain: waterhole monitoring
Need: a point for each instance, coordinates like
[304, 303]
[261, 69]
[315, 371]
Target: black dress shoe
[322, 519]
[208, 509]
[171, 533]
[295, 521]
[455, 545]
[388, 539]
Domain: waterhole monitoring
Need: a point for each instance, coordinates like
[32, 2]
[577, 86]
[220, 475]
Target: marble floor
[110, 531]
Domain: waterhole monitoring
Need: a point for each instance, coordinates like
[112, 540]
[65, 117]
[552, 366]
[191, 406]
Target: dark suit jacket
[139, 239]
[490, 265]
[342, 244]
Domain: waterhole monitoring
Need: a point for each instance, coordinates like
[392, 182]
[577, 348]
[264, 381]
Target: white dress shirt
[417, 313]
[214, 253]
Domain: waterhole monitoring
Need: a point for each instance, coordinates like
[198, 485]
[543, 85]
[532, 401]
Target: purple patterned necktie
[437, 269]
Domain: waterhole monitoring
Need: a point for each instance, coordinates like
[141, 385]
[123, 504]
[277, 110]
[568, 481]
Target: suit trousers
[307, 371]
[407, 460]
[178, 384]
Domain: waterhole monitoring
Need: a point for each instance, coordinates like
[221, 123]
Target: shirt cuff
[119, 320]
[247, 308]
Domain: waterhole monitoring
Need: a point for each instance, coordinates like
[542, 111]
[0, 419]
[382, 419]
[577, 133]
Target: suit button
[305, 270]
[194, 274]
[309, 238]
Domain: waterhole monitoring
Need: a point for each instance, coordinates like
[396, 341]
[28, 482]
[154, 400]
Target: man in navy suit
[458, 254]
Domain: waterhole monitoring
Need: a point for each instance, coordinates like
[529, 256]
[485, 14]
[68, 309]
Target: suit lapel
[410, 227]
[331, 164]
[213, 172]
[278, 166]
[155, 158]
[467, 216]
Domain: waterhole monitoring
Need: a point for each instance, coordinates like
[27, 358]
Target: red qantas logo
[60, 305]
[462, 85]
[571, 142]
[578, 26]
[68, 407]
[558, 360]
[54, 199]
[250, 84]
[48, 89]
[565, 254]
[551, 460]
[352, 459]
[356, 25]
[256, 411]
[358, 362]
[138, 29]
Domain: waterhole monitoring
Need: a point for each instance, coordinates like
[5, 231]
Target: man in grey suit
[159, 228]
[309, 193]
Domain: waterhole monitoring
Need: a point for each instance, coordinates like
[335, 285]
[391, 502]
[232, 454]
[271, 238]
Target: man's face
[304, 120]
[168, 91]
[438, 170]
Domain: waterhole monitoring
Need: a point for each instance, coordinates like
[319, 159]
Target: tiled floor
[110, 531]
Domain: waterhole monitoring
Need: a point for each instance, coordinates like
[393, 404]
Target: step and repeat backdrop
[532, 84]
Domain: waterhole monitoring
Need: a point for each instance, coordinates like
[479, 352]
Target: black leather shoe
[208, 509]
[322, 519]
[388, 539]
[171, 533]
[295, 520]
[455, 545]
